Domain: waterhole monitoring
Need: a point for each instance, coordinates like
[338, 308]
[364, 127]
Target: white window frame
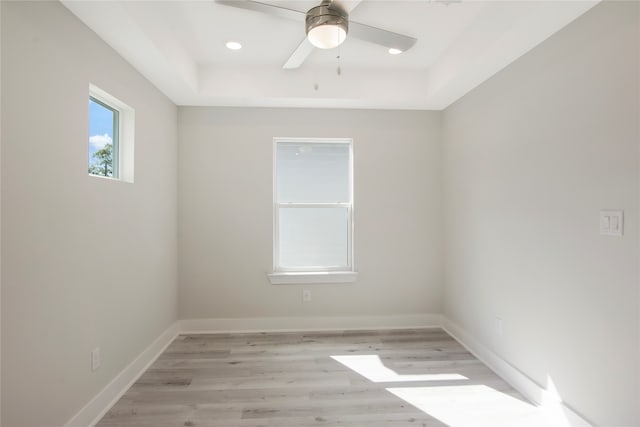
[312, 274]
[123, 149]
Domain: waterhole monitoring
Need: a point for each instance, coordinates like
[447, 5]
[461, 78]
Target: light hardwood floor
[363, 378]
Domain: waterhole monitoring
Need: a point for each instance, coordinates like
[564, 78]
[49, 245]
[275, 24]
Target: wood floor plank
[298, 379]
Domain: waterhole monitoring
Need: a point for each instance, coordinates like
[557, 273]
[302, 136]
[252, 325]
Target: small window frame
[123, 134]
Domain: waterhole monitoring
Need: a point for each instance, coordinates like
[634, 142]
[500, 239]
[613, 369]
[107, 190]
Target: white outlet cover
[498, 324]
[95, 359]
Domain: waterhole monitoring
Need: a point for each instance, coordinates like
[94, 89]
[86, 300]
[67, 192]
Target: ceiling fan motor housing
[328, 16]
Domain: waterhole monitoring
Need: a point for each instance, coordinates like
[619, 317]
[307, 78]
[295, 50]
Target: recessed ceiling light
[234, 45]
[394, 51]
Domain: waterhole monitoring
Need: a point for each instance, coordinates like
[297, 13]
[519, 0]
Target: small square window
[111, 133]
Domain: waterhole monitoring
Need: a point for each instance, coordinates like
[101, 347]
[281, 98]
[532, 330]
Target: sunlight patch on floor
[462, 403]
[371, 367]
[475, 406]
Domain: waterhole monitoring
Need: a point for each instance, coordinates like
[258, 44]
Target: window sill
[289, 278]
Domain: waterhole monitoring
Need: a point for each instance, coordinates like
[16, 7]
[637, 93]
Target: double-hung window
[313, 210]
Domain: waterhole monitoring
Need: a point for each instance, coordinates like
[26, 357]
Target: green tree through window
[104, 136]
[102, 163]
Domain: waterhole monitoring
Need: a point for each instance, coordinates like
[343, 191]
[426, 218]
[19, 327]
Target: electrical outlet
[95, 358]
[306, 295]
[498, 326]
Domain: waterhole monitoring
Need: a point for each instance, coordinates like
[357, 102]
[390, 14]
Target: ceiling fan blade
[350, 5]
[269, 9]
[299, 55]
[379, 36]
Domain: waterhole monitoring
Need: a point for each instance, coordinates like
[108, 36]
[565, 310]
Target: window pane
[313, 172]
[103, 139]
[313, 237]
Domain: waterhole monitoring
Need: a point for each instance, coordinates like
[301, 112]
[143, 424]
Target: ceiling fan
[327, 25]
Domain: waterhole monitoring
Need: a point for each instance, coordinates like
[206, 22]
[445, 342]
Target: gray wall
[86, 262]
[530, 158]
[225, 213]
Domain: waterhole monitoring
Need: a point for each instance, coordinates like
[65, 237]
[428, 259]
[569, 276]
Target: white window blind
[313, 205]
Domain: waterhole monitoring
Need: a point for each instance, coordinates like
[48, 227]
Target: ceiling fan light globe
[327, 36]
[232, 45]
[326, 25]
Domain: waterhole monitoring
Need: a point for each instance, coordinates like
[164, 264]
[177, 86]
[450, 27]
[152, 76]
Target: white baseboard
[93, 411]
[297, 324]
[519, 381]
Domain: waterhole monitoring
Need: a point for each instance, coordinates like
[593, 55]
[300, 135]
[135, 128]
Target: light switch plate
[611, 222]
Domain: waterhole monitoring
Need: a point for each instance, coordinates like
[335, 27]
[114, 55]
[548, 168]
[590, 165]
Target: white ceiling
[180, 47]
